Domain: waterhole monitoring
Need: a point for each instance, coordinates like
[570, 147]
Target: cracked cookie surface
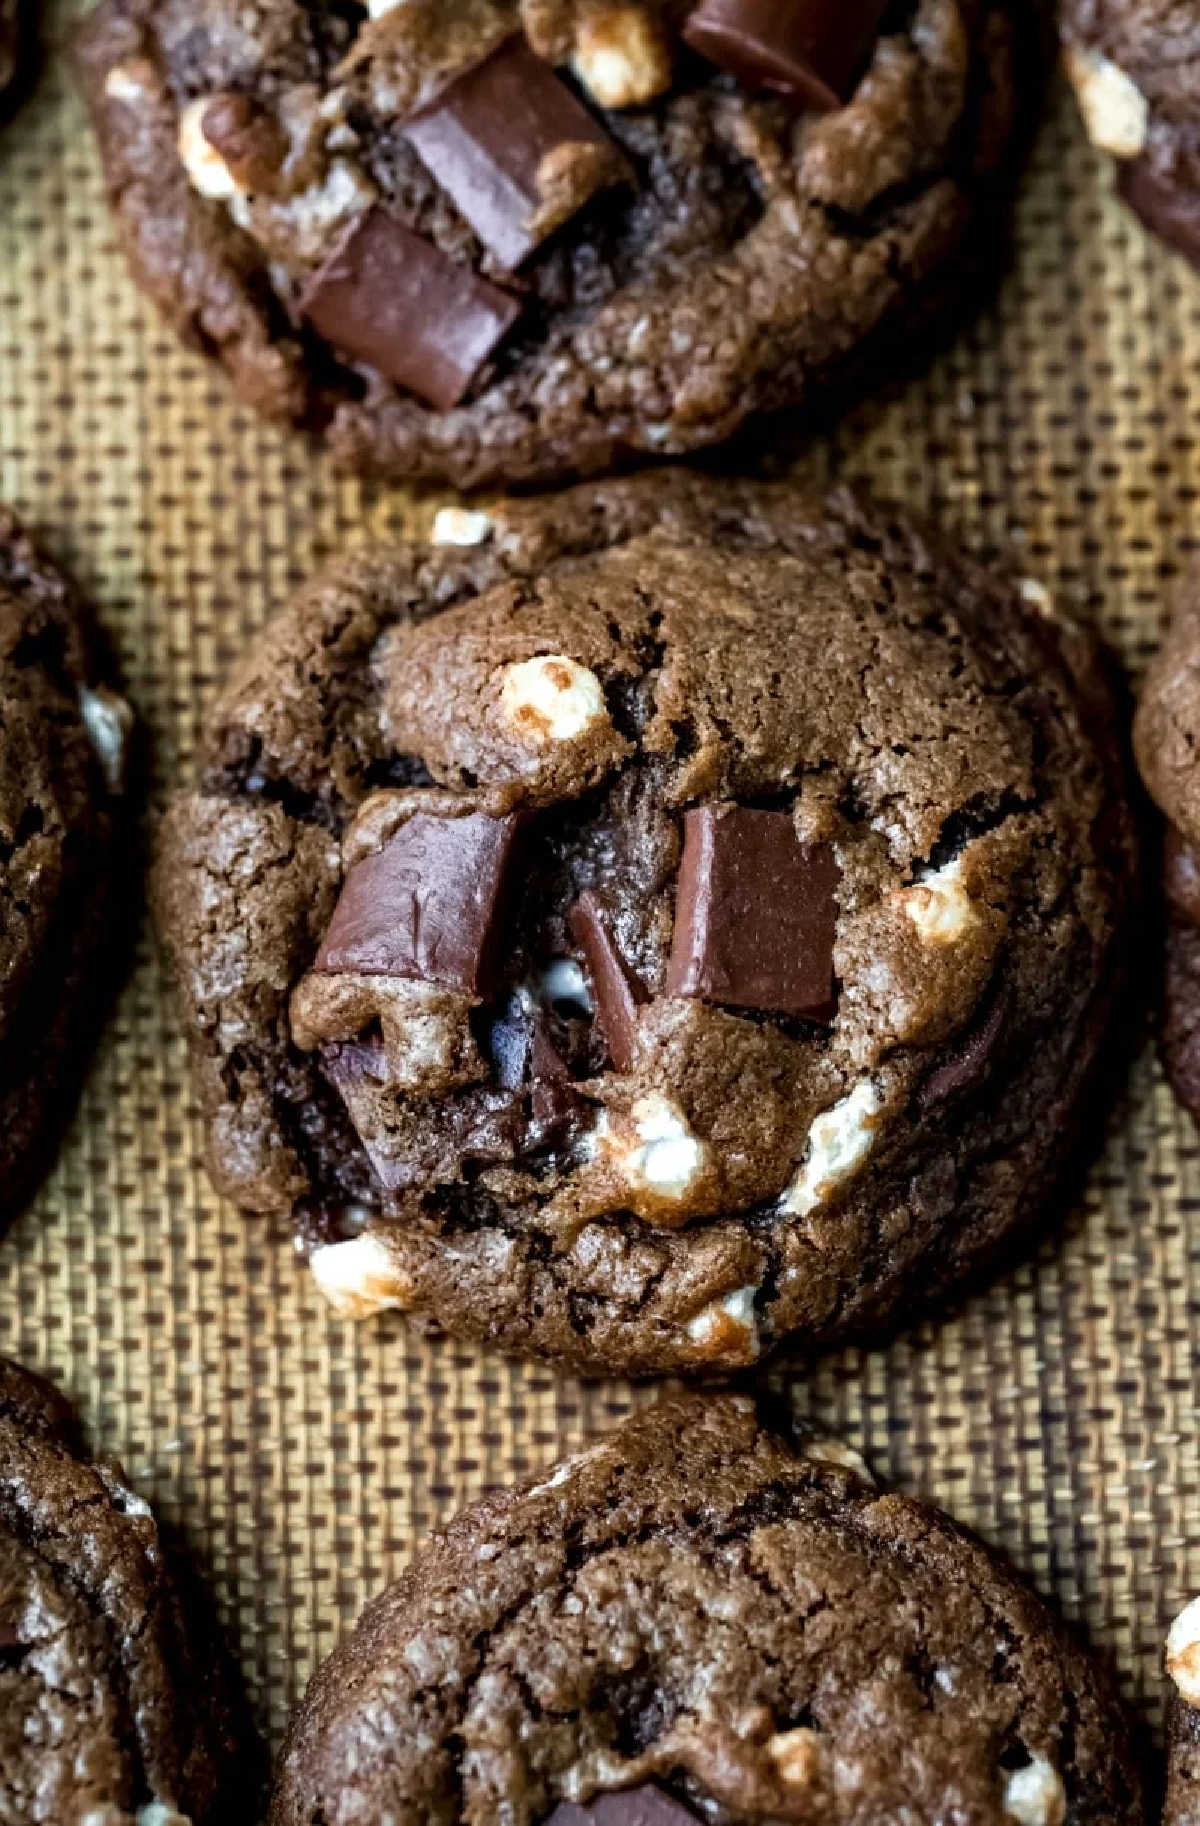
[493, 241]
[680, 921]
[734, 1620]
[62, 743]
[114, 1708]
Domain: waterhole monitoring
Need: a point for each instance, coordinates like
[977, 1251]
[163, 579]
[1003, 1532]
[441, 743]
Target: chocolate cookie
[1183, 1719]
[683, 919]
[1132, 64]
[488, 240]
[63, 736]
[114, 1705]
[696, 1620]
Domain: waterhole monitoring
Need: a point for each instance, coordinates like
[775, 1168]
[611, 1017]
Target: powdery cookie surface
[745, 1625]
[632, 262]
[114, 1708]
[63, 735]
[579, 1116]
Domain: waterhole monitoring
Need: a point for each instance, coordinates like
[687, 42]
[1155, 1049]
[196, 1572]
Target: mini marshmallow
[669, 1158]
[107, 720]
[207, 170]
[157, 1813]
[1035, 1796]
[939, 906]
[824, 1449]
[461, 526]
[712, 1324]
[620, 58]
[795, 1755]
[129, 82]
[838, 1142]
[1183, 1653]
[358, 1277]
[563, 980]
[1116, 115]
[551, 698]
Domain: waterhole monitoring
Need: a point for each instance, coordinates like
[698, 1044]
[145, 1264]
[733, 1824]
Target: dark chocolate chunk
[499, 141]
[808, 50]
[970, 1061]
[427, 906]
[1167, 202]
[617, 990]
[554, 1102]
[391, 299]
[645, 1806]
[755, 914]
[1181, 876]
[251, 141]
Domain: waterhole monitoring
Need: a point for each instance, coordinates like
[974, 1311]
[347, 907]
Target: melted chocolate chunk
[646, 1806]
[427, 906]
[971, 1061]
[393, 300]
[755, 914]
[617, 990]
[494, 141]
[1181, 876]
[808, 50]
[1167, 202]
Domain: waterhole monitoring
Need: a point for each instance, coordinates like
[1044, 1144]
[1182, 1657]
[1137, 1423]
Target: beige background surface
[305, 1458]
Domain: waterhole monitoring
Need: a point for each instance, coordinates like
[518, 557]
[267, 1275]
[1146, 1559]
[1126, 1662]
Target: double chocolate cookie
[1133, 67]
[1183, 1719]
[114, 1703]
[63, 736]
[493, 240]
[683, 919]
[698, 1620]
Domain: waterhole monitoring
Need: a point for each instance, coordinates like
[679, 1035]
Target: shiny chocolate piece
[971, 1061]
[1167, 202]
[1181, 876]
[391, 299]
[755, 914]
[617, 989]
[809, 50]
[505, 141]
[427, 906]
[645, 1806]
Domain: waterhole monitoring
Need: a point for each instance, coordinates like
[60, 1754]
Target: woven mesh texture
[305, 1458]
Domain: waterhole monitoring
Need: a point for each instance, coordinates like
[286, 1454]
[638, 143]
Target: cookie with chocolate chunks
[63, 738]
[700, 1620]
[1181, 1656]
[678, 921]
[116, 1705]
[491, 241]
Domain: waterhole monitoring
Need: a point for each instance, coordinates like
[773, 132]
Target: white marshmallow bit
[376, 9]
[711, 1324]
[824, 1449]
[795, 1755]
[1035, 1796]
[620, 57]
[358, 1277]
[461, 526]
[667, 1158]
[107, 720]
[1116, 115]
[209, 173]
[551, 698]
[1183, 1653]
[127, 82]
[157, 1813]
[838, 1142]
[939, 906]
[1034, 592]
[563, 980]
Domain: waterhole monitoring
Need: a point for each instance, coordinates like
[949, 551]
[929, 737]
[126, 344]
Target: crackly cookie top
[500, 238]
[696, 1621]
[113, 1711]
[672, 943]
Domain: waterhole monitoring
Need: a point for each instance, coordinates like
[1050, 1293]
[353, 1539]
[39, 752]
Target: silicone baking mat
[305, 1458]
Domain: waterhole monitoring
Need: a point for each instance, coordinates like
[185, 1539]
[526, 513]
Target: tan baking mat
[304, 1457]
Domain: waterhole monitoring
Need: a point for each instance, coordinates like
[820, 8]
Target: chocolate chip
[249, 140]
[617, 990]
[645, 1806]
[427, 906]
[1181, 876]
[970, 1061]
[495, 139]
[755, 914]
[808, 50]
[393, 300]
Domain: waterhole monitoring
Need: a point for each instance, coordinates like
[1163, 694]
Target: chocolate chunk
[755, 914]
[251, 141]
[971, 1059]
[1181, 876]
[391, 299]
[554, 1102]
[427, 906]
[504, 140]
[808, 50]
[617, 990]
[1167, 202]
[646, 1806]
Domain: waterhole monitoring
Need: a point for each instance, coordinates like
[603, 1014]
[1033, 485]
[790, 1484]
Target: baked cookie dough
[698, 1620]
[679, 920]
[1132, 64]
[63, 736]
[500, 240]
[1182, 1657]
[114, 1706]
